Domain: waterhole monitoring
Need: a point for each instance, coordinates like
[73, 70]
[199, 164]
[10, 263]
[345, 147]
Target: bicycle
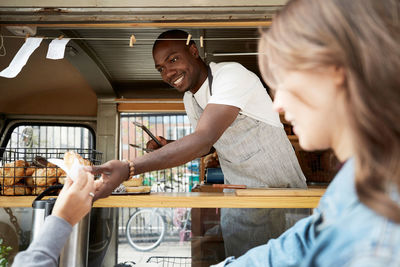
[146, 228]
[166, 261]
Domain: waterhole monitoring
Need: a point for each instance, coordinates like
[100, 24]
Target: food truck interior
[87, 100]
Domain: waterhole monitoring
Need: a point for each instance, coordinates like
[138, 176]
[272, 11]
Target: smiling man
[232, 112]
[190, 71]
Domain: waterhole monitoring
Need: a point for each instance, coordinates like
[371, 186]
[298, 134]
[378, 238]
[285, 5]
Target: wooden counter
[276, 198]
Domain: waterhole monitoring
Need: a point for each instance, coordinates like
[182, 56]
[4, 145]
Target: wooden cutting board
[280, 192]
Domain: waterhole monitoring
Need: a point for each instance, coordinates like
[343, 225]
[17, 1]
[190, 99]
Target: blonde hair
[362, 37]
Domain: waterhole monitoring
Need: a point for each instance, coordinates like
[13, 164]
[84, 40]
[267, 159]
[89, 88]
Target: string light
[133, 40]
[141, 39]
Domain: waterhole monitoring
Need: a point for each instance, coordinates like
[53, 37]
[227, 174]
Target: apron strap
[210, 79]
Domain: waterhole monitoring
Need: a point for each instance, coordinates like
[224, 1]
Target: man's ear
[193, 50]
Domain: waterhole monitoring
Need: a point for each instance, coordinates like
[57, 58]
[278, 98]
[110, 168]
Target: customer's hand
[75, 199]
[153, 145]
[113, 173]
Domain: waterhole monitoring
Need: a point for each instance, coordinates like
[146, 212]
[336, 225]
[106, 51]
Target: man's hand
[153, 145]
[113, 173]
[211, 160]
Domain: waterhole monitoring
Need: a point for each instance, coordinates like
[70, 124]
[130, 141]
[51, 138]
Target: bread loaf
[46, 176]
[13, 172]
[138, 189]
[16, 190]
[70, 156]
[37, 190]
[133, 182]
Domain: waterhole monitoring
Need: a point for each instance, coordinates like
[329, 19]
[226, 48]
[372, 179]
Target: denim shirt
[341, 232]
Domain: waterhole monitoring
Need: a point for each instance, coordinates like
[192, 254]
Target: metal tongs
[152, 136]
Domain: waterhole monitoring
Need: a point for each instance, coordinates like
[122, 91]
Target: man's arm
[151, 145]
[212, 124]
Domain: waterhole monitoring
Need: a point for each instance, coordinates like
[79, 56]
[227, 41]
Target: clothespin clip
[27, 36]
[60, 37]
[201, 41]
[188, 39]
[132, 40]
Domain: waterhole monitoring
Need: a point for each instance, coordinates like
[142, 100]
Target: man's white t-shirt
[234, 85]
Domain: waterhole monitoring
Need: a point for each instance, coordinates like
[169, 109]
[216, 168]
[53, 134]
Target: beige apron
[256, 154]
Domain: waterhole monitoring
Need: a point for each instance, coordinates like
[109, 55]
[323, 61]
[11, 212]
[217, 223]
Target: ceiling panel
[129, 71]
[126, 64]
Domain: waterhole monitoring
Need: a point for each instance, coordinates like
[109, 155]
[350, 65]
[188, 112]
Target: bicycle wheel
[145, 229]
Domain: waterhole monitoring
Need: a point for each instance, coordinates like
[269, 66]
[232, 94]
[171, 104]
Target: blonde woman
[334, 66]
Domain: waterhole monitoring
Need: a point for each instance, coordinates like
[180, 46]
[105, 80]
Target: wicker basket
[21, 174]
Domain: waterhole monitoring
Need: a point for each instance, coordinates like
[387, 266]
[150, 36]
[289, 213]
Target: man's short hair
[173, 34]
